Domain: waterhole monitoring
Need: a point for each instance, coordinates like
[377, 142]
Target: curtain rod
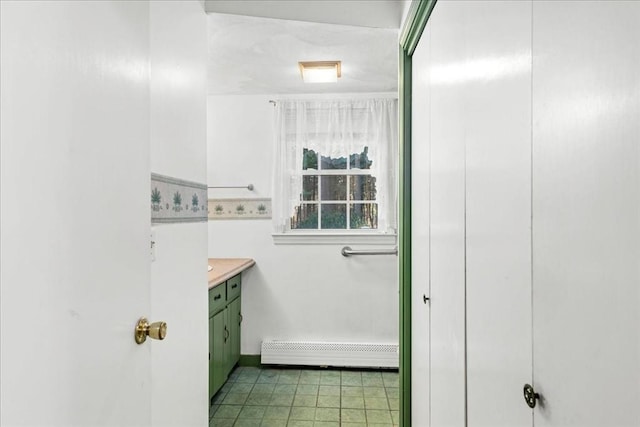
[271, 101]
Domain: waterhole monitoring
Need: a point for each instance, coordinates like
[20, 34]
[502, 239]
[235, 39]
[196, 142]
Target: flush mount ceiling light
[320, 71]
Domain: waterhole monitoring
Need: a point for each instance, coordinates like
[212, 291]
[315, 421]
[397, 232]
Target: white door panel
[494, 69]
[420, 224]
[586, 213]
[74, 213]
[447, 202]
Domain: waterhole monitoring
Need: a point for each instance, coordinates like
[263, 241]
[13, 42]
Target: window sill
[334, 239]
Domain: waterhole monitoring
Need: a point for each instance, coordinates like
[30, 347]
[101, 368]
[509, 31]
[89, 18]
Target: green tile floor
[307, 397]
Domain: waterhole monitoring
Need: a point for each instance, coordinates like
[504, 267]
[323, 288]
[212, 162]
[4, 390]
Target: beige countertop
[226, 268]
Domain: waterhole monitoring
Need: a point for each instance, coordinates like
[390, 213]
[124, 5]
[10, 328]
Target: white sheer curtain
[334, 128]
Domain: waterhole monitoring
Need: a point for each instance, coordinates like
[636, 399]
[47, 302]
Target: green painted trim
[419, 13]
[249, 360]
[404, 238]
[415, 24]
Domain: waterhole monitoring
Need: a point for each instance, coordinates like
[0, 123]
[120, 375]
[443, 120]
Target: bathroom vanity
[225, 317]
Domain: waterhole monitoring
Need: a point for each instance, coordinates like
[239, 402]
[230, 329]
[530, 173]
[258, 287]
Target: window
[336, 194]
[335, 167]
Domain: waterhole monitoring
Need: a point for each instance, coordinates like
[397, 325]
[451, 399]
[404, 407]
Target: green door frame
[415, 23]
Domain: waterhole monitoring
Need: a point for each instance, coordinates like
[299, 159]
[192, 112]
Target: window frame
[330, 236]
[348, 172]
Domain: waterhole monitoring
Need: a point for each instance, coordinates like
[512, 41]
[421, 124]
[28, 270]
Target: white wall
[178, 275]
[301, 292]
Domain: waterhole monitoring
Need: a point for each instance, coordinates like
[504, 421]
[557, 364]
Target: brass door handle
[156, 330]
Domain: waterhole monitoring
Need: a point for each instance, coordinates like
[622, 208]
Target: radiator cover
[310, 353]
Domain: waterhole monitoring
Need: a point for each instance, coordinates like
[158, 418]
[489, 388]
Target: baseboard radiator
[309, 353]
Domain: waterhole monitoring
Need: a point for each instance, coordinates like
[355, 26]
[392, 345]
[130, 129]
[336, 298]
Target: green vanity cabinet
[217, 360]
[233, 288]
[224, 332]
[235, 318]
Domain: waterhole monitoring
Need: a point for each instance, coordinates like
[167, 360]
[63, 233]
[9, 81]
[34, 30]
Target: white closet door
[447, 203]
[480, 76]
[495, 71]
[420, 155]
[586, 213]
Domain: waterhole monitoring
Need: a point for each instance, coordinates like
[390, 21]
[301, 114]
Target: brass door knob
[155, 330]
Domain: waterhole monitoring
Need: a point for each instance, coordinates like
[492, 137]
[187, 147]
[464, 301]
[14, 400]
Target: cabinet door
[234, 332]
[218, 364]
[212, 387]
[227, 364]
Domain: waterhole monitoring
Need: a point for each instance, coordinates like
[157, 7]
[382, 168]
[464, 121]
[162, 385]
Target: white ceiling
[257, 55]
[365, 13]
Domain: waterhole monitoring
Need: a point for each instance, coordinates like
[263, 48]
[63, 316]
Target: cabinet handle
[240, 314]
[217, 297]
[235, 285]
[226, 333]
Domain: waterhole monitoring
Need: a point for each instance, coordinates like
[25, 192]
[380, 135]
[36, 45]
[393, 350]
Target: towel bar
[248, 187]
[347, 251]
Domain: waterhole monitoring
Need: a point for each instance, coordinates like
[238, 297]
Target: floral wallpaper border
[239, 209]
[175, 200]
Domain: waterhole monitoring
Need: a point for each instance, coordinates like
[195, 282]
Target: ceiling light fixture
[320, 71]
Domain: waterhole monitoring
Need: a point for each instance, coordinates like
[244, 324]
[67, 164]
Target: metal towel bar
[248, 187]
[347, 251]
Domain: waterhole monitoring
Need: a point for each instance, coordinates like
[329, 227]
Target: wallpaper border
[247, 208]
[175, 200]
